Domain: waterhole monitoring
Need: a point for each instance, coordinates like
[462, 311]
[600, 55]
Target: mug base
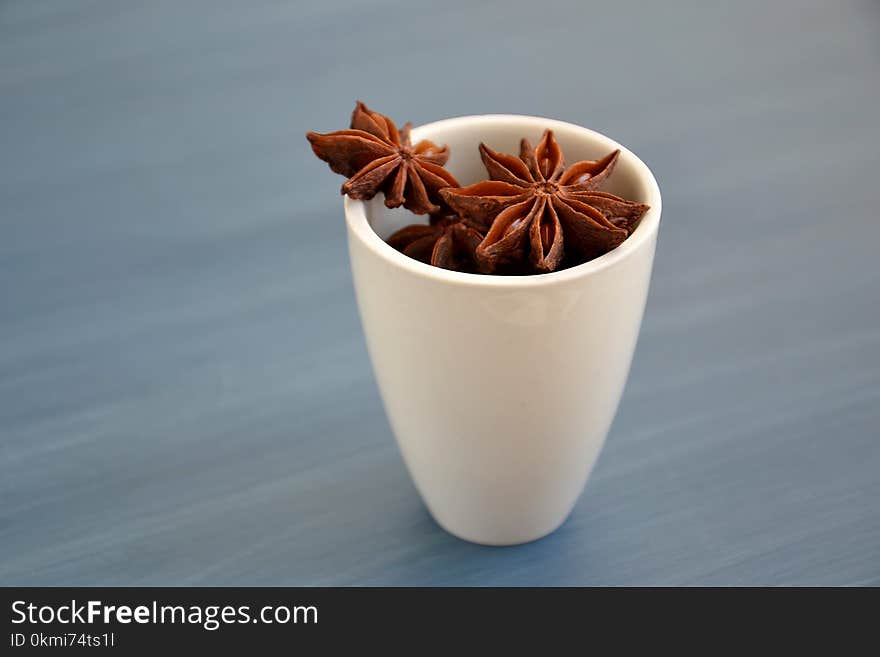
[499, 540]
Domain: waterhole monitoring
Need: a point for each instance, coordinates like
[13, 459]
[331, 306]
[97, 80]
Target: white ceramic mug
[500, 390]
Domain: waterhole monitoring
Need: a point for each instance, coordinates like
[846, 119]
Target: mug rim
[359, 226]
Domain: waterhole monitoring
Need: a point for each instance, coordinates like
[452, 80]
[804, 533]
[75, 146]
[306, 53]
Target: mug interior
[631, 179]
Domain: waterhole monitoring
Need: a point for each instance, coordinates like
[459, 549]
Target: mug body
[501, 390]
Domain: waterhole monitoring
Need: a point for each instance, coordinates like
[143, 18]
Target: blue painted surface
[185, 396]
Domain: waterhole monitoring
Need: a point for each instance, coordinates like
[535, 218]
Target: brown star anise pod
[541, 212]
[375, 156]
[448, 242]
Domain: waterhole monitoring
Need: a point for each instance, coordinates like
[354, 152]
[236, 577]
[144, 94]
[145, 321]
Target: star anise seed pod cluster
[533, 215]
[541, 213]
[448, 242]
[375, 156]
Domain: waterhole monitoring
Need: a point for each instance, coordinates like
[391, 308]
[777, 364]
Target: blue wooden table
[185, 394]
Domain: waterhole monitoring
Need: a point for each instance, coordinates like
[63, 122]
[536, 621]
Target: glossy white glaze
[501, 390]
